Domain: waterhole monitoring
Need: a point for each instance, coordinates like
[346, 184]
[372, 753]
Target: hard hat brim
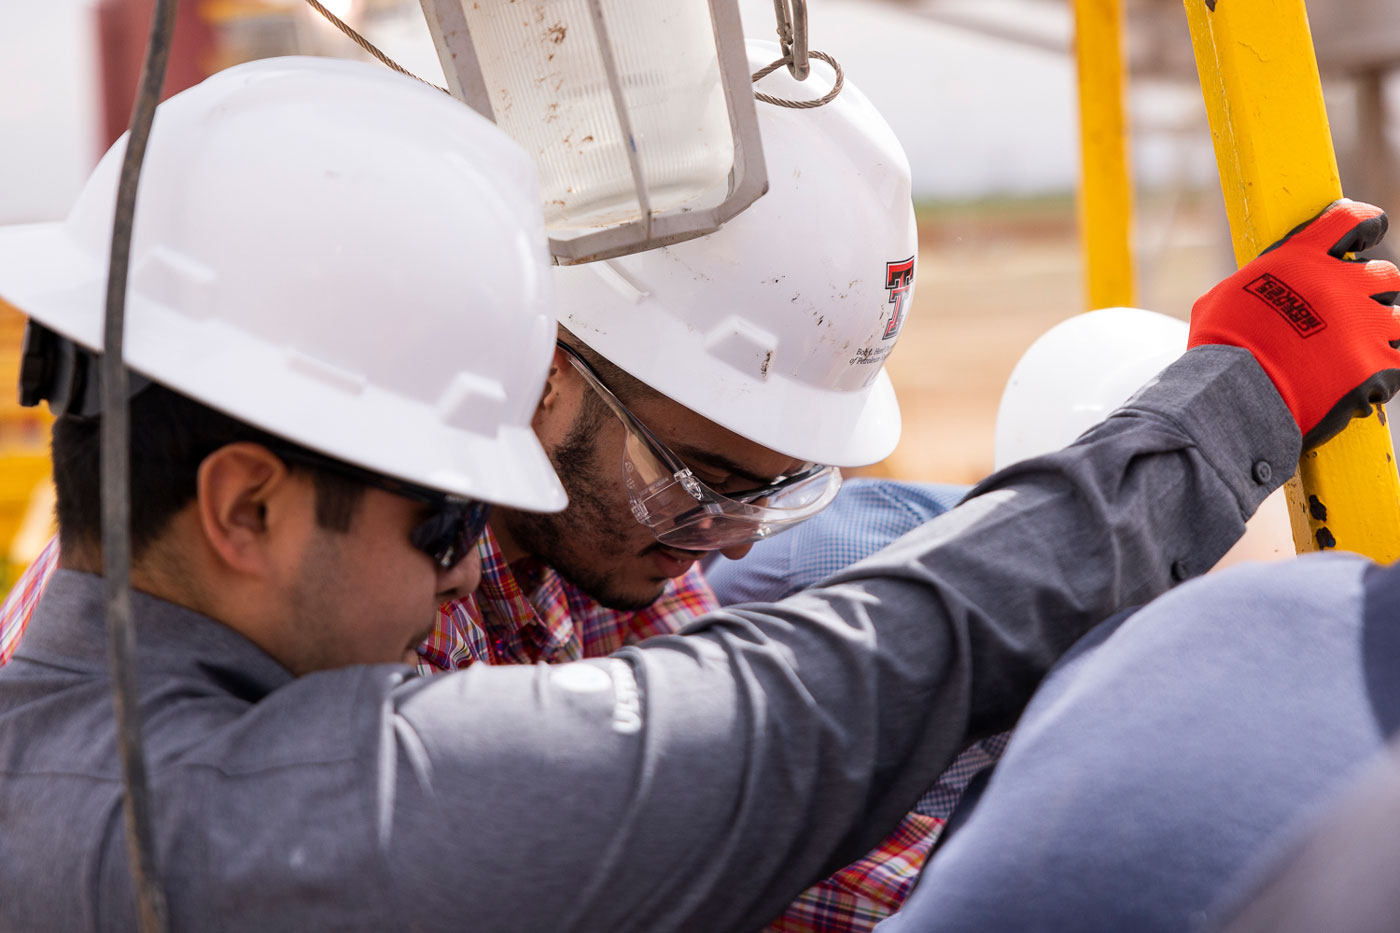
[46, 274]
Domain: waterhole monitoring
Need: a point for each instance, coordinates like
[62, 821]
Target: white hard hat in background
[1079, 371]
[336, 254]
[777, 326]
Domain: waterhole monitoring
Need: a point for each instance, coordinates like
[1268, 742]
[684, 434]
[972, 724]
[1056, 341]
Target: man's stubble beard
[587, 533]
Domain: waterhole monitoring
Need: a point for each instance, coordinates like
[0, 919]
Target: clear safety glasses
[447, 535]
[685, 513]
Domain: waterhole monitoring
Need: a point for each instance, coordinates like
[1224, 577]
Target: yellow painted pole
[1105, 179]
[1277, 169]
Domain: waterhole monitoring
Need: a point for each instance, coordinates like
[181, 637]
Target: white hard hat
[1077, 373]
[777, 326]
[336, 254]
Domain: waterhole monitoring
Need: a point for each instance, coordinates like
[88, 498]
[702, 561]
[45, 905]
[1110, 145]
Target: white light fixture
[639, 113]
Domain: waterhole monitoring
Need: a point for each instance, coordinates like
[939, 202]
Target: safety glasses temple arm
[658, 449]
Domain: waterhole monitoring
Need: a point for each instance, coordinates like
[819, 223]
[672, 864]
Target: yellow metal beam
[1277, 169]
[1105, 182]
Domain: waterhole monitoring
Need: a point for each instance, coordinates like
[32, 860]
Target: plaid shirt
[867, 891]
[552, 621]
[503, 623]
[24, 596]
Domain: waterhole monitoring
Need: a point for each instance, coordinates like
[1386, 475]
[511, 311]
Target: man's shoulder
[1325, 589]
[1185, 734]
[1294, 575]
[1262, 619]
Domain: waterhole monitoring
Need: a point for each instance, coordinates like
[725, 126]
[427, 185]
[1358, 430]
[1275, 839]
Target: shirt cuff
[1224, 400]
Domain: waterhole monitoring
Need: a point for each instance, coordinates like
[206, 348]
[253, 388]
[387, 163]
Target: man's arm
[701, 781]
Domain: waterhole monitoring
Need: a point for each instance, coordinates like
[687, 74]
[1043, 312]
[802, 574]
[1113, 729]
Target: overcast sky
[48, 106]
[977, 115]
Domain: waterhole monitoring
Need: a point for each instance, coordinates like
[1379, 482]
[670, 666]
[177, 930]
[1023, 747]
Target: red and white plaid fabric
[554, 621]
[24, 596]
[865, 892]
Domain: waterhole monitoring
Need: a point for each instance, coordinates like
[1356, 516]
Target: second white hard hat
[336, 254]
[1077, 373]
[778, 325]
[1082, 369]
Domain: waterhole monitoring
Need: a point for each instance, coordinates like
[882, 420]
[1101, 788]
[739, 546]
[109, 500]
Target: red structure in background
[122, 28]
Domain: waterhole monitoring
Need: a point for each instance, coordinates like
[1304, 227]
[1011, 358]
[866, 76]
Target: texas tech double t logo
[899, 281]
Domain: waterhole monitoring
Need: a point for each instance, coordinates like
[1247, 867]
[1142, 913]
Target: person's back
[1338, 875]
[1173, 746]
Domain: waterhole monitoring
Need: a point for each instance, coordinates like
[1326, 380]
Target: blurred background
[982, 93]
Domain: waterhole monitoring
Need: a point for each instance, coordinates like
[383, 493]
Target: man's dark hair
[170, 436]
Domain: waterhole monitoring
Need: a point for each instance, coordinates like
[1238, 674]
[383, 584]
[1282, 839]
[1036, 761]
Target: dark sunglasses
[446, 536]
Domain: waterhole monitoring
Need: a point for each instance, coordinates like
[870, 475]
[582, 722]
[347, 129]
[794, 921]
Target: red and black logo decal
[1290, 305]
[899, 281]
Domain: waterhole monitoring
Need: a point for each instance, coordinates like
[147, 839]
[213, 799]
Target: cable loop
[826, 98]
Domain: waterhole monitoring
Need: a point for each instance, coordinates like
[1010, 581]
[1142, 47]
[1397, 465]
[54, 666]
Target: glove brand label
[1290, 305]
[899, 281]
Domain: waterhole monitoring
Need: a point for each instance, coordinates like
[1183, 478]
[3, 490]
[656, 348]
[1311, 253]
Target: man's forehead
[701, 442]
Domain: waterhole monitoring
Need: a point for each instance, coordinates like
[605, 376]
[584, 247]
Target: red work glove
[1322, 326]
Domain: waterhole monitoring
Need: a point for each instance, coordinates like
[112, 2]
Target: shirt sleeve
[701, 781]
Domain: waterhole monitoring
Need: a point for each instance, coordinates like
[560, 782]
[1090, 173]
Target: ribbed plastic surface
[545, 77]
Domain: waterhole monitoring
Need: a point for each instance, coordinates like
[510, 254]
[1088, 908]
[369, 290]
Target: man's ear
[233, 488]
[558, 386]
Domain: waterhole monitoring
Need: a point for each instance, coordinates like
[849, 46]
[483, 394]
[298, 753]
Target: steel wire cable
[151, 904]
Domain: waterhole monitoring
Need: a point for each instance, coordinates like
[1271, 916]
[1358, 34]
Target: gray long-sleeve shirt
[694, 782]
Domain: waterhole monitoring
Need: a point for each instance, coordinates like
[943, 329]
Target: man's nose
[461, 579]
